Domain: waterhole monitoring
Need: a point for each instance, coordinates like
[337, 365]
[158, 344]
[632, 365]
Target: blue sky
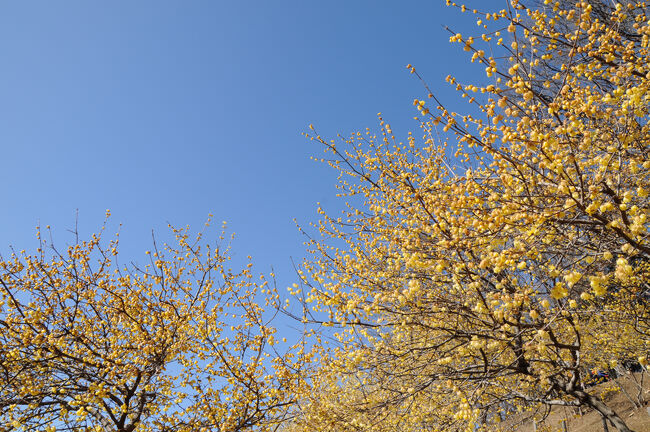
[166, 111]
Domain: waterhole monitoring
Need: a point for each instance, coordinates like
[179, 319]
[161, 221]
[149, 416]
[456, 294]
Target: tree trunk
[592, 402]
[600, 406]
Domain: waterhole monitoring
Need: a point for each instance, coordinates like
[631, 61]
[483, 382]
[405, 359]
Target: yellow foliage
[464, 283]
[180, 344]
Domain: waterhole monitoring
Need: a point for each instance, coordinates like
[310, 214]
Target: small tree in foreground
[181, 344]
[493, 281]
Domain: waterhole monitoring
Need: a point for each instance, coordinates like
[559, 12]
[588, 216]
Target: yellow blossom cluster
[179, 344]
[489, 271]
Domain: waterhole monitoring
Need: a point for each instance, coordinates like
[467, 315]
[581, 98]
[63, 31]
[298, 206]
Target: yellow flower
[597, 286]
[559, 291]
[572, 278]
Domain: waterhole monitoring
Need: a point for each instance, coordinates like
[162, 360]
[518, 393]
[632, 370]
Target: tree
[181, 344]
[490, 276]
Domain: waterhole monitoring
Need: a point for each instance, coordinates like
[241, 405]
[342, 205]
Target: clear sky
[166, 111]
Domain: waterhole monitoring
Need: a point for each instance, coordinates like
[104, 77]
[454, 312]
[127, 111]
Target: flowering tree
[489, 276]
[181, 344]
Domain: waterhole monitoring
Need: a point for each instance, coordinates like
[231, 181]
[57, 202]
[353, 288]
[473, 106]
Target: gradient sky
[166, 111]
